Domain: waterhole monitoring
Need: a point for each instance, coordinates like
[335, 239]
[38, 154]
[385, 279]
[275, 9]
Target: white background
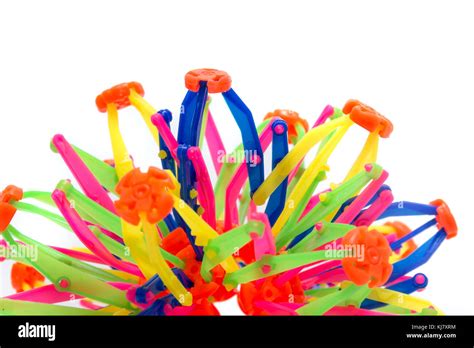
[411, 60]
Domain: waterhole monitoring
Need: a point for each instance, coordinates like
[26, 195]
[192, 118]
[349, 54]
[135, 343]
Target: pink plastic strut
[204, 186]
[87, 237]
[362, 199]
[327, 112]
[80, 255]
[238, 181]
[264, 245]
[49, 294]
[104, 231]
[89, 305]
[89, 184]
[214, 142]
[43, 294]
[336, 275]
[318, 268]
[165, 132]
[351, 310]
[375, 210]
[92, 188]
[179, 310]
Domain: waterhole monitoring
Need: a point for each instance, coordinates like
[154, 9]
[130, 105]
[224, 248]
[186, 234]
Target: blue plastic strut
[250, 140]
[192, 110]
[419, 257]
[157, 308]
[398, 243]
[403, 208]
[276, 202]
[155, 285]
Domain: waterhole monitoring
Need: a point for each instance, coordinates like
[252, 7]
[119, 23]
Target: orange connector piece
[218, 81]
[25, 277]
[268, 291]
[178, 244]
[292, 118]
[144, 193]
[368, 262]
[368, 118]
[118, 95]
[213, 291]
[204, 308]
[175, 241]
[7, 211]
[445, 218]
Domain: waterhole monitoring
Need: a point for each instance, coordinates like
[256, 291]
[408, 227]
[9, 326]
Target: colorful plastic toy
[170, 241]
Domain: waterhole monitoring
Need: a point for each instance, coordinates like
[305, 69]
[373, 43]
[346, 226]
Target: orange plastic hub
[178, 244]
[187, 253]
[290, 291]
[369, 259]
[213, 291]
[368, 118]
[118, 95]
[192, 269]
[7, 211]
[445, 218]
[203, 290]
[292, 118]
[11, 193]
[218, 81]
[144, 193]
[221, 293]
[25, 277]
